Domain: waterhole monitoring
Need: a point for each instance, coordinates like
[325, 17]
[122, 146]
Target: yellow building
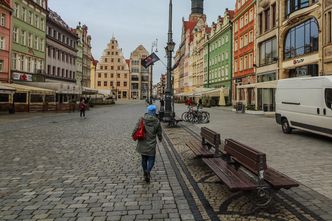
[112, 74]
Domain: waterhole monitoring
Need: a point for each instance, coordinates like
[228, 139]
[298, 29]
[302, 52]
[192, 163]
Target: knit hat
[152, 109]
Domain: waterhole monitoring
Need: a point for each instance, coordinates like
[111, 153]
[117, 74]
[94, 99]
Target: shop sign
[21, 76]
[298, 61]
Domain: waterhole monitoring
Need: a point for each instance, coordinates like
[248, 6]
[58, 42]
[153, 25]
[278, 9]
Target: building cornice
[62, 28]
[242, 11]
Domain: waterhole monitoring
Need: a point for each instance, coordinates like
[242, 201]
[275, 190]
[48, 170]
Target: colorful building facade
[28, 40]
[112, 75]
[218, 55]
[5, 39]
[244, 52]
[139, 76]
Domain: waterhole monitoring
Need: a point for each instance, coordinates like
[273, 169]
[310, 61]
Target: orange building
[5, 40]
[244, 52]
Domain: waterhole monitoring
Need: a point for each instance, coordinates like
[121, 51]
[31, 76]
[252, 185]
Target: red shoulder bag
[140, 132]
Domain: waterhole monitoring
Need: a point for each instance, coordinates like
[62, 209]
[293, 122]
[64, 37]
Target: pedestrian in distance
[147, 146]
[82, 107]
[162, 104]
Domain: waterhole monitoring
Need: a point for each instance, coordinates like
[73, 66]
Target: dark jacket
[152, 131]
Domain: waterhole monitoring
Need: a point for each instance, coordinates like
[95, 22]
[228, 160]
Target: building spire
[197, 7]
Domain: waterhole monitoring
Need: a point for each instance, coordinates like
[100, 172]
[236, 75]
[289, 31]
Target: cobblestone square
[61, 167]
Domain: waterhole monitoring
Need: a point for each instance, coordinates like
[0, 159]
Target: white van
[306, 104]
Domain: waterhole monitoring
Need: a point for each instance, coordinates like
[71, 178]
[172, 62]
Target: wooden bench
[240, 159]
[210, 139]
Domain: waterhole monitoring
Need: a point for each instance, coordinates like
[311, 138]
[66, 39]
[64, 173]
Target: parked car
[306, 104]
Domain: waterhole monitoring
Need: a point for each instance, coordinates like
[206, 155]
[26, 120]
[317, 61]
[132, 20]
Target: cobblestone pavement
[215, 202]
[60, 167]
[303, 156]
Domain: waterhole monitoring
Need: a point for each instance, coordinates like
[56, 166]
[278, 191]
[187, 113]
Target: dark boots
[147, 177]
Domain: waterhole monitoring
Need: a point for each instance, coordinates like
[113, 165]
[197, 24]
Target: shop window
[4, 98]
[20, 97]
[36, 98]
[302, 39]
[308, 70]
[49, 98]
[328, 97]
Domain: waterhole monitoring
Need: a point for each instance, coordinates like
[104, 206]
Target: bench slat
[246, 156]
[279, 180]
[198, 150]
[229, 175]
[244, 149]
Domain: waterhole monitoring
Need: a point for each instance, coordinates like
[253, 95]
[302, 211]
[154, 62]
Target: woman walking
[82, 107]
[147, 146]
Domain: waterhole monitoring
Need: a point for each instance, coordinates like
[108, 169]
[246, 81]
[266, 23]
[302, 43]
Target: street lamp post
[169, 112]
[154, 46]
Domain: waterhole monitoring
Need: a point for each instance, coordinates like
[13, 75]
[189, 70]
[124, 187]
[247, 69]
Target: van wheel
[285, 126]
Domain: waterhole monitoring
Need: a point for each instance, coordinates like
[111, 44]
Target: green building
[28, 40]
[218, 55]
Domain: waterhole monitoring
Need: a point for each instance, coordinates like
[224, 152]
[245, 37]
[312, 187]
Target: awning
[267, 85]
[89, 91]
[6, 90]
[58, 87]
[217, 92]
[34, 90]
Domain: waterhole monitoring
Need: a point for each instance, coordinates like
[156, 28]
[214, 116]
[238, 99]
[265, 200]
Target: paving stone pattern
[60, 167]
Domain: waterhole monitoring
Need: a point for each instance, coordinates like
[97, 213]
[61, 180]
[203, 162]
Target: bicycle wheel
[184, 115]
[205, 117]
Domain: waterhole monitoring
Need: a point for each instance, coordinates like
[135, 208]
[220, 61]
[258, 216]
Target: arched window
[301, 39]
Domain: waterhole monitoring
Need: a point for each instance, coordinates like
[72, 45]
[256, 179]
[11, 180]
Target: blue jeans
[148, 163]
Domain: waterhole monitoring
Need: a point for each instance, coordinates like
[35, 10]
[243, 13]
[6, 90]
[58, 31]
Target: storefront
[32, 99]
[6, 98]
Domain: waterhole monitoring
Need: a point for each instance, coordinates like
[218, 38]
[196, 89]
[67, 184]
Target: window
[105, 75]
[4, 98]
[2, 43]
[328, 22]
[37, 21]
[20, 97]
[29, 40]
[29, 17]
[24, 14]
[301, 39]
[1, 65]
[294, 5]
[267, 19]
[328, 97]
[3, 19]
[251, 15]
[241, 64]
[251, 36]
[260, 17]
[23, 37]
[17, 10]
[268, 52]
[99, 83]
[118, 83]
[274, 15]
[14, 61]
[125, 84]
[105, 83]
[118, 75]
[99, 75]
[15, 34]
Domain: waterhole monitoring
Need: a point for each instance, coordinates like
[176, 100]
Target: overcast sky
[133, 22]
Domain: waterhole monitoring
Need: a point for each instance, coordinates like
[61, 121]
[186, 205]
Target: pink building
[5, 39]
